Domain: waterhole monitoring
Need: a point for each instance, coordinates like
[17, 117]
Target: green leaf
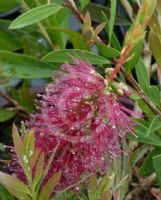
[157, 164]
[39, 170]
[7, 5]
[152, 139]
[70, 195]
[74, 37]
[4, 194]
[114, 41]
[144, 82]
[140, 132]
[34, 157]
[58, 20]
[97, 190]
[108, 52]
[145, 108]
[2, 147]
[135, 97]
[8, 42]
[159, 6]
[19, 195]
[146, 169]
[61, 56]
[6, 114]
[22, 66]
[99, 28]
[96, 11]
[29, 143]
[49, 186]
[142, 75]
[13, 184]
[50, 160]
[92, 188]
[154, 126]
[138, 154]
[84, 3]
[35, 15]
[155, 44]
[19, 147]
[112, 18]
[105, 184]
[107, 196]
[154, 94]
[154, 25]
[135, 53]
[24, 97]
[145, 12]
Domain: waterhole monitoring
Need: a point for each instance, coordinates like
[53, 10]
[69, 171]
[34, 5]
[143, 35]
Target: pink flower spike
[88, 122]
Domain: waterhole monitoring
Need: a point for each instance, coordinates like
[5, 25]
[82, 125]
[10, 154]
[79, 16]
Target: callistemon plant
[79, 113]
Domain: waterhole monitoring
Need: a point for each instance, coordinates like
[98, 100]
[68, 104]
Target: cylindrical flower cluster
[87, 121]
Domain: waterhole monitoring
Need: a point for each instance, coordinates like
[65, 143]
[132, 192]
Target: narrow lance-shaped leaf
[157, 164]
[61, 56]
[99, 28]
[6, 114]
[95, 12]
[87, 22]
[19, 147]
[155, 45]
[23, 66]
[154, 94]
[112, 18]
[145, 12]
[50, 161]
[8, 41]
[92, 187]
[155, 125]
[5, 194]
[35, 15]
[39, 170]
[108, 52]
[6, 6]
[142, 75]
[107, 195]
[74, 37]
[84, 3]
[34, 157]
[137, 30]
[154, 24]
[152, 139]
[87, 29]
[146, 168]
[29, 142]
[114, 41]
[105, 183]
[134, 56]
[159, 6]
[49, 186]
[13, 184]
[19, 195]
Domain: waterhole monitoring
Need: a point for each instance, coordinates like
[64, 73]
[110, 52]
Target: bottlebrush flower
[86, 119]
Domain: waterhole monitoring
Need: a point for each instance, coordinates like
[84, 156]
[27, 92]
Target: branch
[146, 99]
[119, 63]
[124, 54]
[40, 26]
[18, 108]
[71, 5]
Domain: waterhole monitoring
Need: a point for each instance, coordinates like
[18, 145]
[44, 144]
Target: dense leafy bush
[95, 133]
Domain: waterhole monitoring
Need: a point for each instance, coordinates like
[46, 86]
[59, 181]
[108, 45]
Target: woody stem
[119, 63]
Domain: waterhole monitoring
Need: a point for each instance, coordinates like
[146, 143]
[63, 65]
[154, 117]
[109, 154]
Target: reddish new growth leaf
[89, 123]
